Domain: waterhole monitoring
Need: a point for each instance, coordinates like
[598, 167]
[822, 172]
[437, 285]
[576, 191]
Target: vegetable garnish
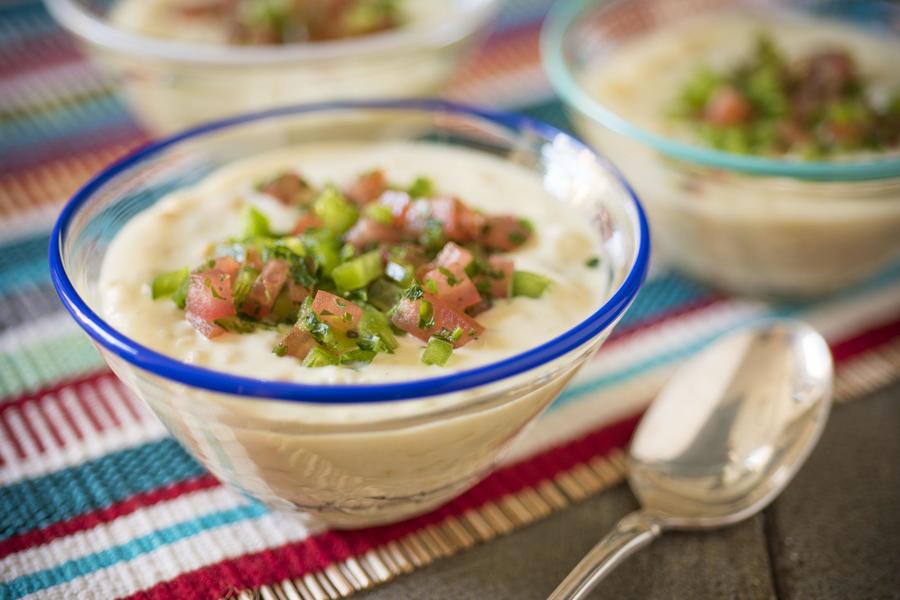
[292, 21]
[814, 107]
[359, 266]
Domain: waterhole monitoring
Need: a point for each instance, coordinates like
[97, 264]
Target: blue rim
[567, 12]
[169, 368]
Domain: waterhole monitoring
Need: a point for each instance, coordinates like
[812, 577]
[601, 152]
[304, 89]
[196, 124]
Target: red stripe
[33, 53]
[36, 537]
[54, 389]
[129, 401]
[86, 407]
[866, 340]
[26, 421]
[70, 421]
[100, 390]
[11, 436]
[51, 426]
[316, 553]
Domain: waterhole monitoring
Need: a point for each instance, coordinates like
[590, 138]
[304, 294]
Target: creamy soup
[642, 83]
[179, 230]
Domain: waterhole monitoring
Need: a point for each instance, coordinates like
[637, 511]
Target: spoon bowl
[721, 441]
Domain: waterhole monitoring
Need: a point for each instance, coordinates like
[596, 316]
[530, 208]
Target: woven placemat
[97, 501]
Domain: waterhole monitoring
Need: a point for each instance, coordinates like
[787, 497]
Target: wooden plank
[530, 562]
[835, 532]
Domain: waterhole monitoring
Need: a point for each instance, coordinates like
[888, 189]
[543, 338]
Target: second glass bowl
[172, 84]
[752, 225]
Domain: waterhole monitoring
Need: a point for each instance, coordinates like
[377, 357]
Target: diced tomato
[477, 309]
[207, 328]
[446, 320]
[367, 187]
[500, 277]
[416, 216]
[727, 106]
[454, 257]
[209, 298]
[408, 254]
[296, 292]
[307, 221]
[336, 312]
[504, 233]
[289, 188]
[399, 203]
[265, 289]
[212, 8]
[298, 343]
[450, 213]
[454, 288]
[473, 222]
[368, 231]
[253, 258]
[228, 265]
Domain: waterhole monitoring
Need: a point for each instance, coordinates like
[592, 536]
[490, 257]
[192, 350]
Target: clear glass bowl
[753, 225]
[350, 455]
[173, 84]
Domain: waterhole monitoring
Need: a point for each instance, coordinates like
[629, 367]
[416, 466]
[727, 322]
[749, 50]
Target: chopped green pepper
[437, 352]
[319, 357]
[255, 224]
[358, 272]
[422, 187]
[168, 283]
[246, 277]
[380, 213]
[529, 284]
[337, 213]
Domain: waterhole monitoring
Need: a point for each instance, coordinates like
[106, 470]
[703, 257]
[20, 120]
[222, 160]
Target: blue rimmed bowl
[775, 227]
[350, 455]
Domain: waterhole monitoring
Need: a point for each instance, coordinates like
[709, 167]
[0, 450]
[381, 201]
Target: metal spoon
[723, 438]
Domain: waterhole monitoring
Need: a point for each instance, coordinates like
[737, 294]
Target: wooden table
[834, 533]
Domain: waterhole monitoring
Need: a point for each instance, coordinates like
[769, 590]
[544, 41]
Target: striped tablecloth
[97, 501]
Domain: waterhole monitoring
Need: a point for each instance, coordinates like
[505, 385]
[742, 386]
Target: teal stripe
[662, 294]
[551, 112]
[24, 20]
[28, 273]
[135, 548]
[67, 121]
[38, 502]
[23, 263]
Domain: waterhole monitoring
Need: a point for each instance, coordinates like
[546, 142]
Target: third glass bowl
[753, 225]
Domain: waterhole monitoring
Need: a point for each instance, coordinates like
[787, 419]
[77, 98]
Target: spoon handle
[630, 534]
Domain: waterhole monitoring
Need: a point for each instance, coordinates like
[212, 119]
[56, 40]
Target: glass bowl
[173, 84]
[753, 225]
[351, 455]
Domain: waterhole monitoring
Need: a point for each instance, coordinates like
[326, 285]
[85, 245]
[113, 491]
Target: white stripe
[27, 223]
[49, 327]
[119, 531]
[92, 445]
[165, 563]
